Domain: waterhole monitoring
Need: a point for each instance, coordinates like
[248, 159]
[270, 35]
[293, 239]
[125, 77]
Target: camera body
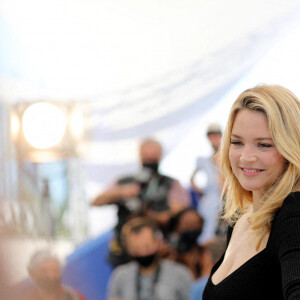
[154, 189]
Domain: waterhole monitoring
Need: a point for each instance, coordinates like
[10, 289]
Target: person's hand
[129, 190]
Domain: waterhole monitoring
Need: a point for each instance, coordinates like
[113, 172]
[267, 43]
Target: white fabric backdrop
[146, 68]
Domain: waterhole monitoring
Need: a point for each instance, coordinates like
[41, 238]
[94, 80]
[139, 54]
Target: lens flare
[44, 125]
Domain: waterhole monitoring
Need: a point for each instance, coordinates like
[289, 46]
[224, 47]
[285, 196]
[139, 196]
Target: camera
[154, 190]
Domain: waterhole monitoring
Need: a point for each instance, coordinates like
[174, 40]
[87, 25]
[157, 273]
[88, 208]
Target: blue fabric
[195, 197]
[87, 269]
[198, 288]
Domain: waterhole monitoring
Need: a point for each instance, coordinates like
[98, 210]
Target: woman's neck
[257, 200]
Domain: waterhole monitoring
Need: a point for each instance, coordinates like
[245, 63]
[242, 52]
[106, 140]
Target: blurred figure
[147, 276]
[45, 272]
[209, 204]
[186, 227]
[146, 193]
[209, 256]
[4, 280]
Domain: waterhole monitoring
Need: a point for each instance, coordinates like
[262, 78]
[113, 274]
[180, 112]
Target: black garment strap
[229, 233]
[153, 284]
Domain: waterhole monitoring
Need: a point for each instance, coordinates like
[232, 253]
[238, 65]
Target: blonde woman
[260, 160]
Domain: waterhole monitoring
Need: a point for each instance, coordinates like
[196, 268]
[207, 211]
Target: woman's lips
[251, 171]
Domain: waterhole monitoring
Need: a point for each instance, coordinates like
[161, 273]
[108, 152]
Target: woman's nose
[248, 154]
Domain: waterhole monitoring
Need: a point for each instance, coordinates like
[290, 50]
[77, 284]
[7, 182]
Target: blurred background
[82, 82]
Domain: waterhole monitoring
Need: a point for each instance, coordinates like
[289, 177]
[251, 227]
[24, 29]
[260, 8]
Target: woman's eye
[235, 142]
[265, 145]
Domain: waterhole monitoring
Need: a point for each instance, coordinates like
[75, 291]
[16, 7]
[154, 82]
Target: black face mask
[187, 240]
[153, 166]
[145, 261]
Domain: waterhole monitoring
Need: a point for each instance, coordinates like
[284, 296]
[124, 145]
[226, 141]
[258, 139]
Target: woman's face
[254, 159]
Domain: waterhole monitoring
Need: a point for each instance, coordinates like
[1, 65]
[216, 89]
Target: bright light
[76, 124]
[14, 125]
[44, 125]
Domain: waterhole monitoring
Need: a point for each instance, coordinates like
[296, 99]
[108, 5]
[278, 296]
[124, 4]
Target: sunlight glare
[44, 125]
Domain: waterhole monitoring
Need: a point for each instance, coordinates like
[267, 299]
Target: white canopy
[148, 68]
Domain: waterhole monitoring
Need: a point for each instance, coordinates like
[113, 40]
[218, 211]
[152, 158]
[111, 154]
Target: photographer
[146, 193]
[147, 276]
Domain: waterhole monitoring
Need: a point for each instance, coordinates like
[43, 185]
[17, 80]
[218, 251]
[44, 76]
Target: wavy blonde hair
[282, 109]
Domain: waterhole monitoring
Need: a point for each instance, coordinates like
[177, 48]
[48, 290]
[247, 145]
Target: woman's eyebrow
[258, 139]
[264, 138]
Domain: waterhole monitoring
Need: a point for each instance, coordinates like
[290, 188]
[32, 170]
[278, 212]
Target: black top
[273, 273]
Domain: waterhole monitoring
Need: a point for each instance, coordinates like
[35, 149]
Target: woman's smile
[251, 172]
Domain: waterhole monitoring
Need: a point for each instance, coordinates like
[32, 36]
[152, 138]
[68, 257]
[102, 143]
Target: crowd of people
[157, 251]
[164, 248]
[147, 193]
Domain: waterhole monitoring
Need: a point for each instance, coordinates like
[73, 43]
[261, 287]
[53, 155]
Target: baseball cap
[213, 128]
